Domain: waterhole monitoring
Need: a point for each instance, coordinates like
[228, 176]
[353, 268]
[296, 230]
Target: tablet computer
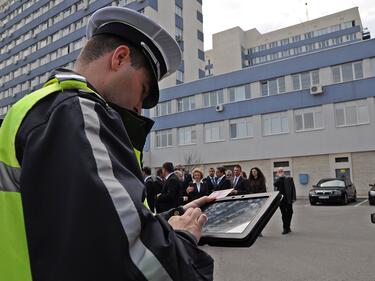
[237, 221]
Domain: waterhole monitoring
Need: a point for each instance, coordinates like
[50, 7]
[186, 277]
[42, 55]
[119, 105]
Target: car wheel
[312, 202]
[345, 200]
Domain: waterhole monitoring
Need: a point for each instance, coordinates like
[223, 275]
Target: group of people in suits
[173, 186]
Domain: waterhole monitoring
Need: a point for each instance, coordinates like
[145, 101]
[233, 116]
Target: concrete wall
[226, 55]
[317, 167]
[363, 164]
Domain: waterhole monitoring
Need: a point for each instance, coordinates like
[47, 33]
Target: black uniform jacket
[82, 193]
[170, 194]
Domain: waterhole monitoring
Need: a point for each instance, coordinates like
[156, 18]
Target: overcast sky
[268, 15]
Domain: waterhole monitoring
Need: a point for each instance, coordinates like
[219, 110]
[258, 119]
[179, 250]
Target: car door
[349, 188]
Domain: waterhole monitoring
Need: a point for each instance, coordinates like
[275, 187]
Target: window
[351, 37]
[213, 98]
[308, 119]
[179, 76]
[35, 64]
[285, 53]
[241, 128]
[214, 132]
[273, 86]
[352, 113]
[178, 11]
[342, 159]
[309, 35]
[323, 44]
[163, 138]
[164, 108]
[347, 24]
[262, 47]
[274, 124]
[305, 80]
[297, 50]
[187, 135]
[185, 104]
[337, 40]
[347, 72]
[310, 47]
[53, 55]
[64, 50]
[239, 93]
[199, 16]
[281, 164]
[296, 38]
[34, 82]
[178, 33]
[284, 41]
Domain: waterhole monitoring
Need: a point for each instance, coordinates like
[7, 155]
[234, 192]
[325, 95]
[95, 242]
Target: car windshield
[332, 183]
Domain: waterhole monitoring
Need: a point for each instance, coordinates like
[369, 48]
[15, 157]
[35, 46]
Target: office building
[37, 36]
[234, 49]
[312, 114]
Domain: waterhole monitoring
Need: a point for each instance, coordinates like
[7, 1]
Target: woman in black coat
[257, 181]
[198, 188]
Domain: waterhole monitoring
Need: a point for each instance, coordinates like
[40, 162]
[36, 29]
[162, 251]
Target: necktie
[213, 181]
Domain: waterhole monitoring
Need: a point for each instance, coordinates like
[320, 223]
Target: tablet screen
[232, 216]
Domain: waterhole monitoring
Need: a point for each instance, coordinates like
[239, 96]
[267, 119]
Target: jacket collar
[137, 126]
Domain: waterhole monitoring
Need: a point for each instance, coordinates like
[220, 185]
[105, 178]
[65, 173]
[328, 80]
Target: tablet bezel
[271, 198]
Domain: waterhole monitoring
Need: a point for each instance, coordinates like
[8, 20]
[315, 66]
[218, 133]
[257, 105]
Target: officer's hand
[200, 202]
[233, 192]
[192, 221]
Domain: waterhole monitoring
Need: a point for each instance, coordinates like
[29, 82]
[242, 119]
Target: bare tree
[192, 160]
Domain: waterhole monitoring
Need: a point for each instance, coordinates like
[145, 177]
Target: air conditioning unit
[316, 90]
[219, 108]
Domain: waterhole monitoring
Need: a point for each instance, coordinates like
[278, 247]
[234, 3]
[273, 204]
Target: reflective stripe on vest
[14, 257]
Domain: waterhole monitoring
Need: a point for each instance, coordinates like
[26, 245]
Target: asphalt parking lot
[333, 243]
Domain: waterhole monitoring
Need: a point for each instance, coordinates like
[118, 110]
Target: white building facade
[313, 115]
[249, 48]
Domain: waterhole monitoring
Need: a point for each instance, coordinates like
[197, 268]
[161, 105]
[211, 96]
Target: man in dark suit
[159, 181]
[222, 182]
[285, 185]
[150, 188]
[210, 180]
[240, 184]
[186, 177]
[170, 194]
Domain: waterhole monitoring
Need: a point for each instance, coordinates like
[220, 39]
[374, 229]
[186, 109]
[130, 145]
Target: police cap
[159, 47]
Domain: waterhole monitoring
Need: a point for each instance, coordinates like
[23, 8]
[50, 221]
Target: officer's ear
[120, 57]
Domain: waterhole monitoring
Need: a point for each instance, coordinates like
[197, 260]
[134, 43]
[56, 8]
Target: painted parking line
[360, 203]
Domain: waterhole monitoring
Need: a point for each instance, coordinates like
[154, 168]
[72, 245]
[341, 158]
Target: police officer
[71, 188]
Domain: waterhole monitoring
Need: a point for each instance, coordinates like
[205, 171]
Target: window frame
[193, 131]
[211, 125]
[281, 115]
[158, 136]
[357, 104]
[302, 112]
[248, 121]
